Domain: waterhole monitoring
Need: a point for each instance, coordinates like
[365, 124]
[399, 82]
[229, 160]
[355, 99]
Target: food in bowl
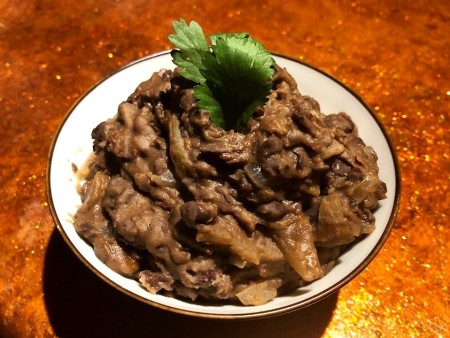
[193, 206]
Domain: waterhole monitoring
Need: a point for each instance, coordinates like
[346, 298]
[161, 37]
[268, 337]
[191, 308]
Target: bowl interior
[73, 144]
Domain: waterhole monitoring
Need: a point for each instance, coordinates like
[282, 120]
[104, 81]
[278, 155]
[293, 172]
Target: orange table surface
[395, 54]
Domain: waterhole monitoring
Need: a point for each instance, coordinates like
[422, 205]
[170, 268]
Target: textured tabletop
[395, 54]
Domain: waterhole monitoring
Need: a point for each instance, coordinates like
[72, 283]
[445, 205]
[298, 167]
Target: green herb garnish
[232, 74]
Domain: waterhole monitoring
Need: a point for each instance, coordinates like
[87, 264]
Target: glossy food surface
[394, 54]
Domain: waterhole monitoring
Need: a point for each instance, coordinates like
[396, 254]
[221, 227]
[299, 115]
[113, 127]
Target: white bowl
[73, 144]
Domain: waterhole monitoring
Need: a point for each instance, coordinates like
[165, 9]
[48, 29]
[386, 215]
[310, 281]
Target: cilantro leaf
[232, 75]
[193, 45]
[209, 103]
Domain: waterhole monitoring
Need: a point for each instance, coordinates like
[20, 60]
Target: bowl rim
[261, 314]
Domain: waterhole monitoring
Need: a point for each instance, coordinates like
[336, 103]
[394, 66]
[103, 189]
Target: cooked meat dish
[193, 211]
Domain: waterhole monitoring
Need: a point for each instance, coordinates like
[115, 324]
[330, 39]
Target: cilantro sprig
[232, 74]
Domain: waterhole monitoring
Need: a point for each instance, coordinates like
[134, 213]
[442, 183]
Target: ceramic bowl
[73, 144]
